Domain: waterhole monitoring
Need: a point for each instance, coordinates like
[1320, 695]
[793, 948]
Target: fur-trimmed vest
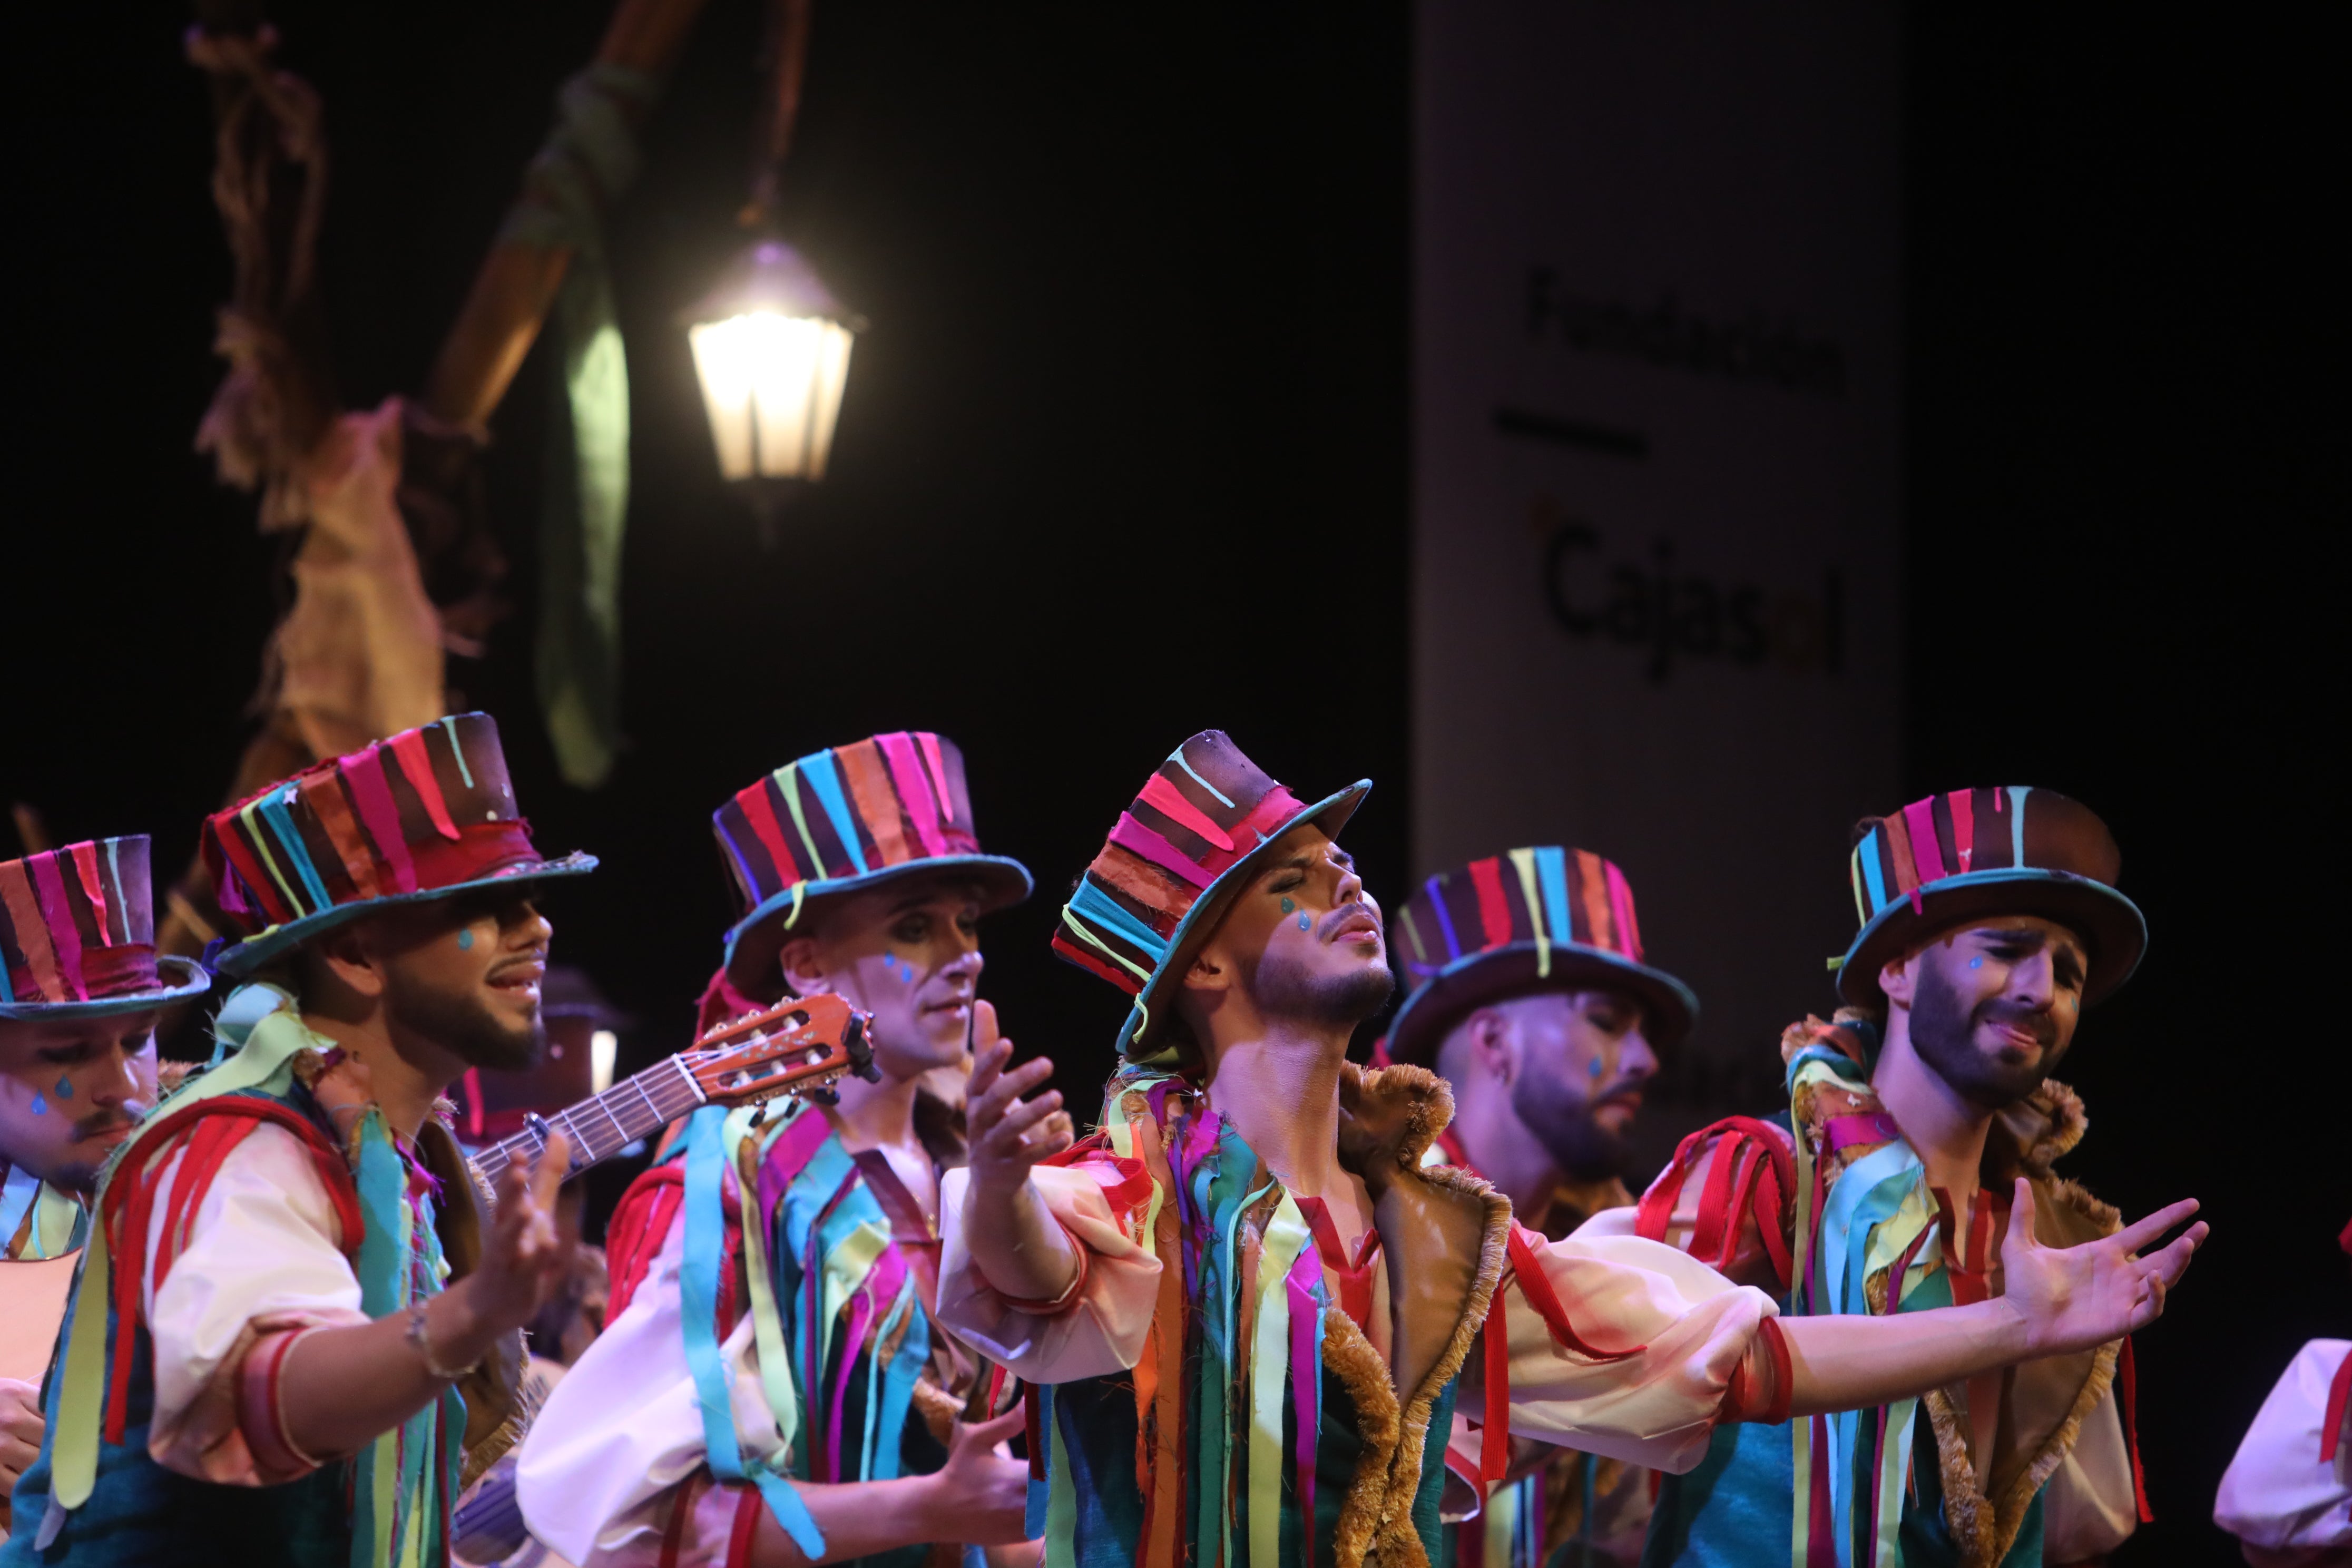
[1953, 1508]
[1194, 1458]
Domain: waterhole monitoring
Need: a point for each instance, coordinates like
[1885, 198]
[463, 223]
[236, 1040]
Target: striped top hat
[78, 935]
[842, 819]
[1952, 859]
[1539, 919]
[1180, 852]
[424, 814]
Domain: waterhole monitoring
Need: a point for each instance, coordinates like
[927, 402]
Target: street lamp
[772, 349]
[770, 342]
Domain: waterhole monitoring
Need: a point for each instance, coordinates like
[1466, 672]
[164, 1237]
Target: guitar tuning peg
[760, 1115]
[825, 1096]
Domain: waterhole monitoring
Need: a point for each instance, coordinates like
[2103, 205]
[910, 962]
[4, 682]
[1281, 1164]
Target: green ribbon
[590, 158]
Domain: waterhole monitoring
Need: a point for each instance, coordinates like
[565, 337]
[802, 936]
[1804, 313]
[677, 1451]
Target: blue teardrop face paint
[41, 1106]
[1303, 921]
[65, 1089]
[464, 942]
[1288, 905]
[1592, 1068]
[1977, 962]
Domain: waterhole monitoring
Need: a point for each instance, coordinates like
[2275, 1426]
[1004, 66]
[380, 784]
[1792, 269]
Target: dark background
[1125, 456]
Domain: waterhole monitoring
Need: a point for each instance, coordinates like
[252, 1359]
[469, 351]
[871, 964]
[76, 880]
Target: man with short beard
[81, 989]
[1525, 988]
[1923, 1114]
[770, 1419]
[1221, 1382]
[295, 1335]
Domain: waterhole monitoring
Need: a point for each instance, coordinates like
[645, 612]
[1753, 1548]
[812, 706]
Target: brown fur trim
[2035, 1132]
[1966, 1512]
[1399, 1543]
[1985, 1528]
[1390, 1116]
[1350, 1358]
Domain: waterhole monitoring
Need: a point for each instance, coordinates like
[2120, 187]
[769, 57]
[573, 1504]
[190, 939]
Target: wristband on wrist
[419, 1336]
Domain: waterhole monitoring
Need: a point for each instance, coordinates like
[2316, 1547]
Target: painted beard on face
[1556, 1110]
[1944, 1031]
[466, 1027]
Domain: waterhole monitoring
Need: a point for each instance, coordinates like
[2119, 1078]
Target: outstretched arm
[1019, 1247]
[2055, 1299]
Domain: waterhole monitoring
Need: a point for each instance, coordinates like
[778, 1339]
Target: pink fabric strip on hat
[93, 887]
[31, 931]
[1964, 826]
[1276, 807]
[363, 770]
[63, 933]
[1163, 796]
[1129, 834]
[1926, 849]
[914, 789]
[931, 744]
[417, 763]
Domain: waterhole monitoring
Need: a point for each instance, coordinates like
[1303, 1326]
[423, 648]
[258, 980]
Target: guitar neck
[601, 1128]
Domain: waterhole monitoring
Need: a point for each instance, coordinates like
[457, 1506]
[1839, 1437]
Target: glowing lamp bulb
[772, 350]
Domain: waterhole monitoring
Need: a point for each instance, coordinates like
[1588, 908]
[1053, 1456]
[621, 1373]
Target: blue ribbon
[698, 1291]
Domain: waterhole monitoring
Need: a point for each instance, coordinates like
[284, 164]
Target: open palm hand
[2072, 1298]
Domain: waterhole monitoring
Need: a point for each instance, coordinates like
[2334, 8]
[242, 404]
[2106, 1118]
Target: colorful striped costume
[407, 1219]
[822, 1302]
[1224, 1390]
[1260, 1425]
[1848, 1201]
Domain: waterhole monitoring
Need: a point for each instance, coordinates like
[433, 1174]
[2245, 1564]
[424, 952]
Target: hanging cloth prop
[590, 158]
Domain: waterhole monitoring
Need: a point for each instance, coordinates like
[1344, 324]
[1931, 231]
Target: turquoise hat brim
[2110, 924]
[1210, 907]
[193, 982]
[1517, 969]
[753, 941]
[238, 960]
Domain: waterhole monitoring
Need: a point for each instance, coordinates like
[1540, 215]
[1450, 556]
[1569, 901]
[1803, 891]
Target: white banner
[1656, 440]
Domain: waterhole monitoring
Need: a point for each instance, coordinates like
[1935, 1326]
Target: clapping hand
[1008, 1133]
[525, 1259]
[2072, 1298]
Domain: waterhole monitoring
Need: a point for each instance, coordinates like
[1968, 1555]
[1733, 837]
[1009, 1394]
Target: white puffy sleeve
[1098, 1327]
[2278, 1495]
[263, 1256]
[1619, 1346]
[618, 1448]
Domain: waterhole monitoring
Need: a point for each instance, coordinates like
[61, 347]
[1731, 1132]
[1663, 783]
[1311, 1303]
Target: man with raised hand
[81, 991]
[1923, 1121]
[774, 1391]
[1527, 990]
[1218, 1385]
[295, 1335]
